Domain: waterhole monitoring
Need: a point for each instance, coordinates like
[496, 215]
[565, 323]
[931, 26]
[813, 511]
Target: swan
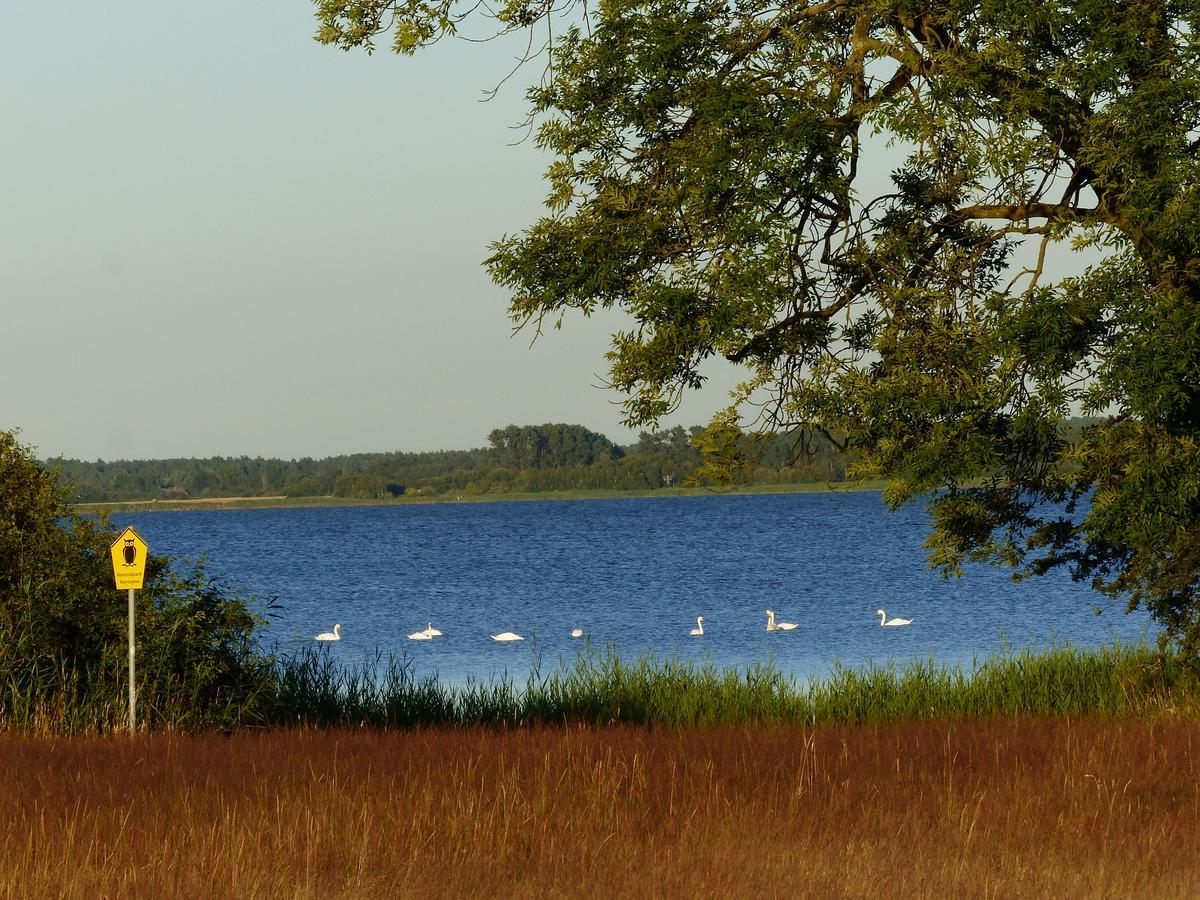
[699, 629]
[335, 635]
[431, 631]
[772, 625]
[507, 636]
[885, 621]
[576, 632]
[421, 636]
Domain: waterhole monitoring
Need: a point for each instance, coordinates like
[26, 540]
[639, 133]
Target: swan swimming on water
[885, 621]
[699, 629]
[431, 631]
[421, 636]
[507, 636]
[335, 635]
[576, 632]
[772, 625]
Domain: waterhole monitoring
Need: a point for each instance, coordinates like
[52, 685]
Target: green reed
[599, 687]
[311, 688]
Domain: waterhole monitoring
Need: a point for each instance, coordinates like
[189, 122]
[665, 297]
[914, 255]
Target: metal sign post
[129, 554]
[132, 678]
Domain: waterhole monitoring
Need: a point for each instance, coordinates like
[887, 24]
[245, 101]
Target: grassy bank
[1059, 773]
[598, 688]
[1061, 807]
[305, 502]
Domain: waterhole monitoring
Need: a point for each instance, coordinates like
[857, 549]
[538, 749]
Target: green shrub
[64, 625]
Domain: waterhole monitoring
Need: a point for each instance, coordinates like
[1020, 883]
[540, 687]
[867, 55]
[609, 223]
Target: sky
[220, 238]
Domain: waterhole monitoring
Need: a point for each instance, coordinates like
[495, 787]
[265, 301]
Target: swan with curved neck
[431, 631]
[772, 625]
[885, 622]
[335, 635]
[699, 629]
[507, 636]
[576, 632]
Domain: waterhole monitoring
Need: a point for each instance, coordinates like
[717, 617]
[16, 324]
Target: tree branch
[758, 344]
[1020, 212]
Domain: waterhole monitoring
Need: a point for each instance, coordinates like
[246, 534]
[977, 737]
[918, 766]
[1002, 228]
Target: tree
[718, 175]
[552, 445]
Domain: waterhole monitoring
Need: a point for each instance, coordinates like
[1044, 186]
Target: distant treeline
[551, 457]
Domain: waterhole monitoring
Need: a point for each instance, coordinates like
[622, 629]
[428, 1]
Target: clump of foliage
[861, 203]
[366, 487]
[63, 624]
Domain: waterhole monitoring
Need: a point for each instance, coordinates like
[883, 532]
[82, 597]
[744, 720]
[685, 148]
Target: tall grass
[49, 694]
[1005, 807]
[598, 687]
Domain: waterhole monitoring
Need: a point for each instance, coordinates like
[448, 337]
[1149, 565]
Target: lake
[635, 574]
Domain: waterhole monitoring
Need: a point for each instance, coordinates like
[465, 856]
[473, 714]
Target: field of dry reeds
[1003, 807]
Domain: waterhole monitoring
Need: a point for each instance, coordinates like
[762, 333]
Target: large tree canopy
[861, 202]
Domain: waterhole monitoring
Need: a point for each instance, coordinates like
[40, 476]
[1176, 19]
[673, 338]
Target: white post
[132, 682]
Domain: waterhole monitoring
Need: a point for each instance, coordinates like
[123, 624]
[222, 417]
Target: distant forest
[551, 457]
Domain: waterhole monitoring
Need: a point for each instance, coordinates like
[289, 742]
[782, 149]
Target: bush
[63, 624]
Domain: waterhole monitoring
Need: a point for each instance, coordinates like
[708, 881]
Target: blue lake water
[634, 573]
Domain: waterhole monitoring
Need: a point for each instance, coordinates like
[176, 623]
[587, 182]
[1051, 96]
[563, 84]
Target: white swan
[576, 632]
[421, 636]
[507, 636]
[772, 625]
[335, 635]
[431, 631]
[699, 629]
[886, 622]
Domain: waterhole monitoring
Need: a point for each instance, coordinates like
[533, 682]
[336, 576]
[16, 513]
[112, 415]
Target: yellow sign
[128, 554]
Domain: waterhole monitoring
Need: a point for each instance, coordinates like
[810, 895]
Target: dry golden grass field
[1003, 808]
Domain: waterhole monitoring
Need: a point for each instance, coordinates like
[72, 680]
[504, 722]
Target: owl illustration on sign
[129, 551]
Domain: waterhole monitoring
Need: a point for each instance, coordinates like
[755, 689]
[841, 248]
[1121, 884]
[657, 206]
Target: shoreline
[283, 502]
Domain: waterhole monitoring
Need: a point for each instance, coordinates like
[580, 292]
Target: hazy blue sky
[221, 238]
